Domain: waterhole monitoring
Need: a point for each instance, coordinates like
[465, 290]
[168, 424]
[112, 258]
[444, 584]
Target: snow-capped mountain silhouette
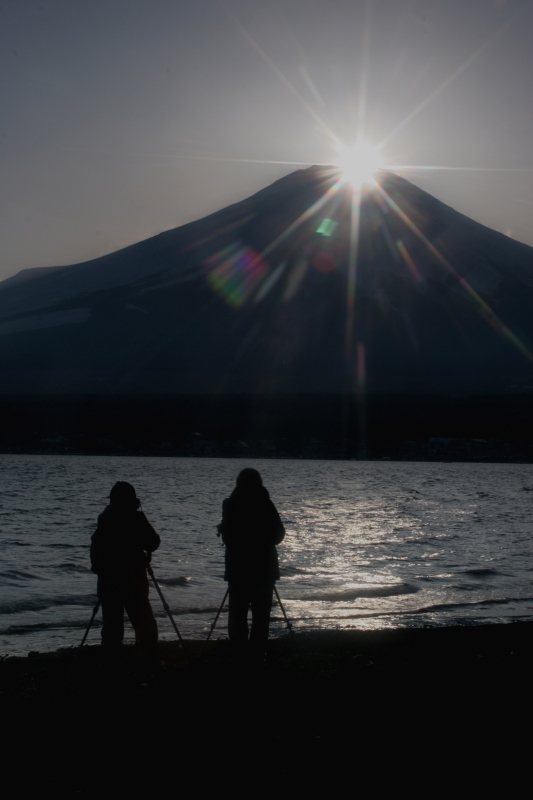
[295, 289]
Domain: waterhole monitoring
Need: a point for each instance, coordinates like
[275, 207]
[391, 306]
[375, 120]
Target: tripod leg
[78, 651]
[95, 612]
[165, 604]
[217, 616]
[287, 620]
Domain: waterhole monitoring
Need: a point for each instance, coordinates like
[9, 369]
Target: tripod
[165, 604]
[78, 651]
[287, 621]
[97, 606]
[218, 615]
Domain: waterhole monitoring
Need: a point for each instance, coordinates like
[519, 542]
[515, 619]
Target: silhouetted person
[120, 549]
[251, 528]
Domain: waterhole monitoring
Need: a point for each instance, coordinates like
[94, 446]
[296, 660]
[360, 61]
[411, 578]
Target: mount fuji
[305, 287]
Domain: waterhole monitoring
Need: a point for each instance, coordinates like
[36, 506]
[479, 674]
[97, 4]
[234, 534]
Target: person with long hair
[251, 528]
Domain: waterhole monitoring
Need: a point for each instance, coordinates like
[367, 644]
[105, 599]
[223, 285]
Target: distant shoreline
[252, 456]
[490, 429]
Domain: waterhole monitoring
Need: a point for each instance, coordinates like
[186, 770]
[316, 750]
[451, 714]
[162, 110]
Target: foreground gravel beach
[328, 708]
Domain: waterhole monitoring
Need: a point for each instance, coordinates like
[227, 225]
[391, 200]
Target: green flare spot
[327, 227]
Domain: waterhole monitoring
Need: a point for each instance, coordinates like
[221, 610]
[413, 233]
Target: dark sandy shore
[330, 711]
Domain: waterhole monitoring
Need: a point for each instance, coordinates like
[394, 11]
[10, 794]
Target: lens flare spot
[327, 227]
[235, 272]
[324, 262]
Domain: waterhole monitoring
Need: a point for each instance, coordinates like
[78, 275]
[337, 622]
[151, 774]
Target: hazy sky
[123, 118]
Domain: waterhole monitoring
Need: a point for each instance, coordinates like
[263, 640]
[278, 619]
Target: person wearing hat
[120, 548]
[251, 528]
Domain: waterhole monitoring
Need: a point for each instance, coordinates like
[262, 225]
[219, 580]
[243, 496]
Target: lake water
[368, 545]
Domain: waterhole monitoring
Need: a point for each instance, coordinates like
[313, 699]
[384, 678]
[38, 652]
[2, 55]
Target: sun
[358, 162]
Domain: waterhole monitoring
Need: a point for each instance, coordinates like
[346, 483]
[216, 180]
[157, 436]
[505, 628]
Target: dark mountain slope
[257, 298]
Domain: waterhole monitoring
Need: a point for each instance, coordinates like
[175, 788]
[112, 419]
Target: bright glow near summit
[358, 162]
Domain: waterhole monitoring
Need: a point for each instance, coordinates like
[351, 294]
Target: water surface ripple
[369, 544]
